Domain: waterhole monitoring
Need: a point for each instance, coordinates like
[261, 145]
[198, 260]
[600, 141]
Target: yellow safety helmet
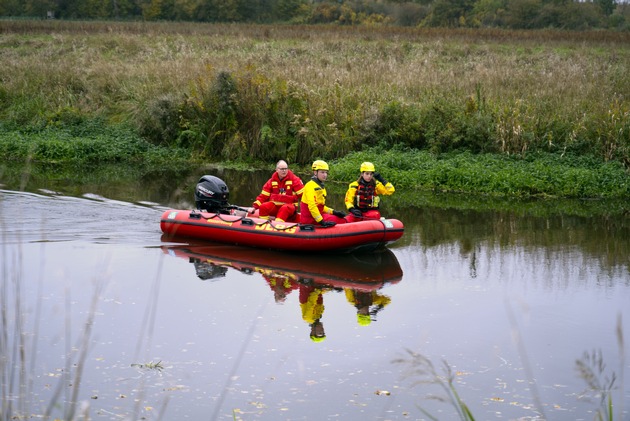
[367, 166]
[317, 338]
[364, 319]
[320, 165]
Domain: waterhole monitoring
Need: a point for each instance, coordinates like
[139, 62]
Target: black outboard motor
[206, 270]
[211, 194]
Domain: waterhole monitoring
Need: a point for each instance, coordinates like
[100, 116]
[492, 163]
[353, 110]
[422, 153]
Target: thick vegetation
[514, 14]
[490, 174]
[535, 111]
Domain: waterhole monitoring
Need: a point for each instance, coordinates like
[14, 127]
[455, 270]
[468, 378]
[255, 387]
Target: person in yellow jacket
[362, 198]
[281, 283]
[363, 302]
[312, 306]
[313, 209]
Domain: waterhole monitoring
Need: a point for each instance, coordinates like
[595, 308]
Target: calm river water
[522, 310]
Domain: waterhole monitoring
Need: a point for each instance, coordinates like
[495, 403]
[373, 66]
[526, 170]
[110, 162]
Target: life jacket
[365, 197]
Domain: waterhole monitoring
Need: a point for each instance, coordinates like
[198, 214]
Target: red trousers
[306, 218]
[371, 214]
[286, 212]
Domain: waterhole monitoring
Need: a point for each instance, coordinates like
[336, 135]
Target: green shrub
[159, 121]
[397, 124]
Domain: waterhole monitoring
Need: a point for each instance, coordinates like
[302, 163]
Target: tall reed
[591, 367]
[304, 91]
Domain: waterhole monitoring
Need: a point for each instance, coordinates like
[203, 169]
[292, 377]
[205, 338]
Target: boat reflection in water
[359, 276]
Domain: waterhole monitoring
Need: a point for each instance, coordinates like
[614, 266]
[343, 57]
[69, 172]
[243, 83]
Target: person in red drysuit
[280, 195]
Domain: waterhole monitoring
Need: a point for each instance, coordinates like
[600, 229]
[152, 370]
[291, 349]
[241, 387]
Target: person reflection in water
[281, 283]
[312, 305]
[367, 303]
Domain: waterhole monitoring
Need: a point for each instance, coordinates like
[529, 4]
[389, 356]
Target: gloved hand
[356, 212]
[339, 214]
[379, 177]
[327, 224]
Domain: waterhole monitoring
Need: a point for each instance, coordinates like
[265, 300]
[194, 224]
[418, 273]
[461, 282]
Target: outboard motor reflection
[208, 271]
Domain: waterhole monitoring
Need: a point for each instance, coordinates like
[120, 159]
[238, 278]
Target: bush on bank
[245, 115]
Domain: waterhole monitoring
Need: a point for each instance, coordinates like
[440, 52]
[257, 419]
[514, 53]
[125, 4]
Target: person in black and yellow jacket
[362, 197]
[367, 303]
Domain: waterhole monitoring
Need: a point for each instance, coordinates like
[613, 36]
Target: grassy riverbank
[536, 175]
[541, 113]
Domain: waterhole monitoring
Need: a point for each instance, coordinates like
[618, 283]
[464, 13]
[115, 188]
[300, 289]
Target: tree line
[510, 14]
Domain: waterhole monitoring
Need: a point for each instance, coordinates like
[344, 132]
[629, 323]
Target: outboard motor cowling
[211, 194]
[206, 271]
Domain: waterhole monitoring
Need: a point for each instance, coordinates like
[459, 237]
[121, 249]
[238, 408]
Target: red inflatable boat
[262, 233]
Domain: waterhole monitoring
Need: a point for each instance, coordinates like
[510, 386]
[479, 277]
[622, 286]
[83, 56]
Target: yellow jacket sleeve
[384, 189]
[350, 194]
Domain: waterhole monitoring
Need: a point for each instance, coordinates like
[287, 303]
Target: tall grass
[21, 320]
[602, 384]
[19, 330]
[270, 92]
